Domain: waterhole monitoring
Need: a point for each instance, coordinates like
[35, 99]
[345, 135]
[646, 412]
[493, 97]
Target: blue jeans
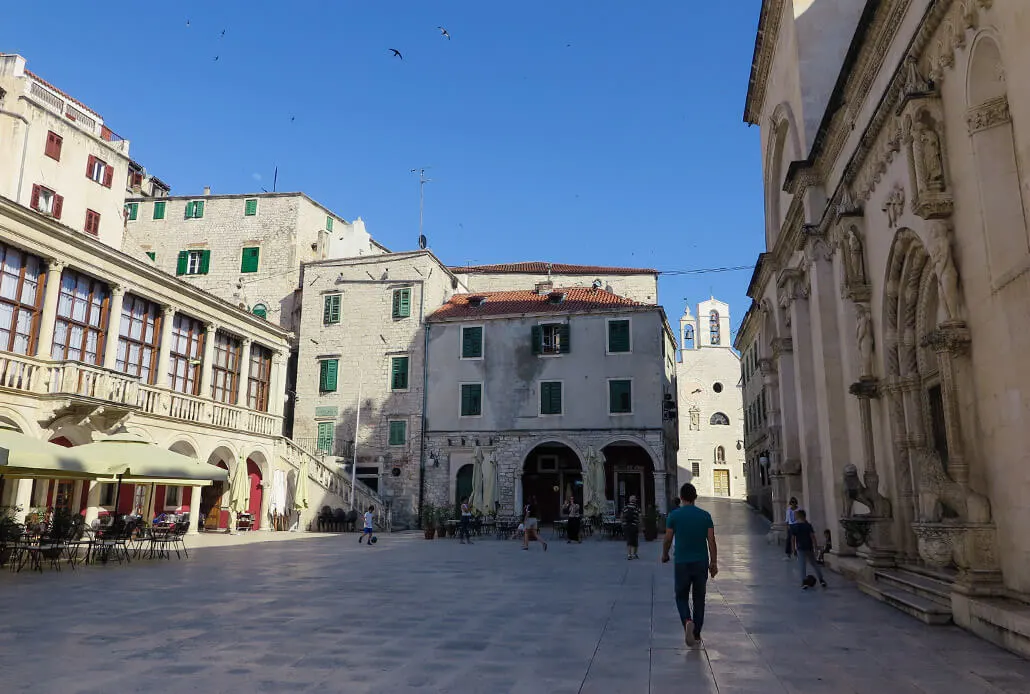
[692, 577]
[805, 557]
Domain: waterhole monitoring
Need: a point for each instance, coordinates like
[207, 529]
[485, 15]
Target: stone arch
[223, 455]
[14, 418]
[782, 148]
[551, 486]
[258, 470]
[543, 441]
[186, 445]
[656, 459]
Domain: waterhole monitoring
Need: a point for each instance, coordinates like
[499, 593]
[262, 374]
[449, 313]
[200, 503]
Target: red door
[254, 474]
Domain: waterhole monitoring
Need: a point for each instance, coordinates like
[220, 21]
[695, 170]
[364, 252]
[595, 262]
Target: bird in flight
[187, 22]
[397, 53]
[223, 32]
[293, 118]
[696, 390]
[443, 32]
[216, 58]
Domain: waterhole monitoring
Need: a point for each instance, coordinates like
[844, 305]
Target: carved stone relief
[894, 206]
[939, 248]
[864, 338]
[923, 131]
[988, 115]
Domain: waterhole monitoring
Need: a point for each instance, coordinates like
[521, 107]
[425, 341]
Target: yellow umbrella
[23, 456]
[137, 460]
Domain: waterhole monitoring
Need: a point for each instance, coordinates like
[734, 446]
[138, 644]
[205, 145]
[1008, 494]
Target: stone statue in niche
[939, 248]
[856, 260]
[894, 206]
[864, 337]
[932, 160]
[695, 419]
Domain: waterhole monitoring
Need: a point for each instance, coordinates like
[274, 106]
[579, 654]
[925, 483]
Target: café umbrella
[476, 498]
[239, 490]
[489, 476]
[25, 457]
[300, 489]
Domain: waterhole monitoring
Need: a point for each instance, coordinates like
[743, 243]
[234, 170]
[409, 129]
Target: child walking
[803, 535]
[366, 531]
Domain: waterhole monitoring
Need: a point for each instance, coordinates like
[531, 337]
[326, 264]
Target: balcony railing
[46, 377]
[334, 481]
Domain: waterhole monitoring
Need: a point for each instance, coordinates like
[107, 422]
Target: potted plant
[428, 519]
[441, 522]
[651, 523]
[10, 532]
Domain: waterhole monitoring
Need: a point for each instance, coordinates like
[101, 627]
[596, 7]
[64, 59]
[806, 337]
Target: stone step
[923, 609]
[923, 586]
[947, 576]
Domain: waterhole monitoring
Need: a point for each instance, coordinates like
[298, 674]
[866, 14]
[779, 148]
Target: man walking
[696, 558]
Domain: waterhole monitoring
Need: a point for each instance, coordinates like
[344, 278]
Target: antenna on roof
[275, 178]
[422, 181]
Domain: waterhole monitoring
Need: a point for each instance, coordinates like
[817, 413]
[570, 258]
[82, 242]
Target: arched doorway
[211, 497]
[254, 477]
[179, 499]
[551, 472]
[463, 482]
[628, 471]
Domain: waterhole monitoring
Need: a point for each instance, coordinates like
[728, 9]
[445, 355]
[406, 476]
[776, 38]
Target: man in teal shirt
[696, 558]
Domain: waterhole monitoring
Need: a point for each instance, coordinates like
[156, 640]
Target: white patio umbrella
[589, 477]
[300, 489]
[476, 499]
[600, 497]
[489, 483]
[239, 491]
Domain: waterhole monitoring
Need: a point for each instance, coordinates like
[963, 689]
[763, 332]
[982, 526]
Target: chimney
[207, 191]
[543, 288]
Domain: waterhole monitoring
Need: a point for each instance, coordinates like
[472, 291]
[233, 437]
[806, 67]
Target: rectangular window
[259, 377]
[551, 338]
[618, 336]
[328, 223]
[325, 437]
[99, 171]
[250, 207]
[53, 145]
[92, 223]
[46, 201]
[152, 255]
[620, 396]
[471, 399]
[81, 319]
[331, 309]
[21, 299]
[225, 369]
[193, 263]
[471, 342]
[399, 373]
[401, 303]
[327, 370]
[938, 422]
[249, 262]
[139, 335]
[550, 397]
[695, 468]
[159, 209]
[173, 497]
[131, 211]
[186, 354]
[195, 209]
[398, 432]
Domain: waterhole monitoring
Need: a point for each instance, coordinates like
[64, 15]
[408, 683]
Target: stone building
[363, 334]
[893, 294]
[58, 156]
[758, 435]
[246, 249]
[638, 284]
[542, 380]
[711, 421]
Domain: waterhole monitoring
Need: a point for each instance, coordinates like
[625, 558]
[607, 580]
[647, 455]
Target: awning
[135, 459]
[26, 457]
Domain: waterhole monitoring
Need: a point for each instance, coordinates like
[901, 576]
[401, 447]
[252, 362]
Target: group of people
[801, 544]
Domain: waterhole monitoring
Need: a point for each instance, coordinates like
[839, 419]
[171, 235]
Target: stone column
[194, 510]
[165, 348]
[785, 458]
[48, 319]
[92, 501]
[661, 500]
[241, 387]
[114, 322]
[265, 517]
[949, 340]
[22, 498]
[209, 357]
[277, 383]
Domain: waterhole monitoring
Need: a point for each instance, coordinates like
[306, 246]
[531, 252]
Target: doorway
[628, 483]
[550, 472]
[721, 482]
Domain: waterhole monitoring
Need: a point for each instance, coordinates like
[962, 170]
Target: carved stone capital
[55, 265]
[781, 346]
[767, 366]
[989, 114]
[866, 387]
[859, 294]
[951, 337]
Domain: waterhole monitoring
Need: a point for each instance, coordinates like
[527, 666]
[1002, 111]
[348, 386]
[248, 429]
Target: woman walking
[532, 525]
[466, 521]
[572, 510]
[631, 528]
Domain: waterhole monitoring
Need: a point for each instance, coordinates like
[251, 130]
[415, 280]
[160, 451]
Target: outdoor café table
[452, 527]
[559, 527]
[160, 537]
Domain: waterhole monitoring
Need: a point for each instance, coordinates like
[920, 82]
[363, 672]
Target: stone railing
[334, 483]
[45, 377]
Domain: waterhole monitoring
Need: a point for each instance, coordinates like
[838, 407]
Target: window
[324, 444]
[195, 209]
[152, 255]
[471, 399]
[185, 355]
[328, 223]
[550, 397]
[327, 370]
[139, 335]
[193, 263]
[107, 492]
[719, 419]
[398, 373]
[173, 497]
[695, 468]
[97, 170]
[551, 338]
[402, 302]
[938, 427]
[260, 310]
[398, 432]
[472, 342]
[713, 327]
[46, 201]
[21, 300]
[259, 377]
[249, 262]
[250, 207]
[720, 455]
[53, 145]
[620, 396]
[331, 309]
[618, 336]
[225, 369]
[131, 211]
[81, 319]
[717, 387]
[92, 223]
[159, 209]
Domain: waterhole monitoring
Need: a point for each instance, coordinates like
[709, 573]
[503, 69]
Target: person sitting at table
[571, 509]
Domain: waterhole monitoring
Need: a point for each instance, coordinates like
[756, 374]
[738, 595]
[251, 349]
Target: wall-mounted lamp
[740, 444]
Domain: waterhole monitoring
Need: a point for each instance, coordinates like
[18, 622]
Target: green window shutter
[620, 399]
[205, 262]
[198, 209]
[618, 336]
[471, 400]
[550, 398]
[250, 207]
[182, 263]
[189, 210]
[398, 433]
[250, 259]
[325, 437]
[401, 303]
[538, 339]
[152, 255]
[327, 375]
[132, 209]
[331, 309]
[328, 223]
[159, 210]
[399, 373]
[564, 344]
[472, 342]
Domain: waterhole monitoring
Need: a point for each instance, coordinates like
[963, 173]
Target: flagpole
[357, 428]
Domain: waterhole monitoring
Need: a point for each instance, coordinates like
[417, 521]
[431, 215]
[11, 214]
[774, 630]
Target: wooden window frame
[194, 335]
[35, 309]
[92, 226]
[99, 171]
[331, 309]
[250, 207]
[52, 148]
[160, 209]
[323, 371]
[629, 336]
[225, 368]
[552, 339]
[398, 310]
[131, 211]
[98, 291]
[462, 343]
[619, 413]
[561, 398]
[390, 440]
[461, 399]
[56, 201]
[259, 378]
[243, 259]
[394, 373]
[321, 438]
[151, 319]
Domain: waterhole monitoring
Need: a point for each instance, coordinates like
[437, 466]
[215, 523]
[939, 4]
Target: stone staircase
[920, 592]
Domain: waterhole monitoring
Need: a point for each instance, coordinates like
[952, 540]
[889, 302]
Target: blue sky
[584, 131]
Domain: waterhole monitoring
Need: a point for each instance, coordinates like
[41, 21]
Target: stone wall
[642, 287]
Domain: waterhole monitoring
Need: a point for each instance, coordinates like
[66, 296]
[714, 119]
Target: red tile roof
[540, 268]
[577, 300]
[66, 95]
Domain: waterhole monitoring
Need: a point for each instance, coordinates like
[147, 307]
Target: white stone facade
[636, 284]
[759, 434]
[711, 422]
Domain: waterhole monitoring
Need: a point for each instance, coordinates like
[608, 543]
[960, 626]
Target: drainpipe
[425, 389]
[24, 155]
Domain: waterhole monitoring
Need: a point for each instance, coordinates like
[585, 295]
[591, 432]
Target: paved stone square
[328, 615]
